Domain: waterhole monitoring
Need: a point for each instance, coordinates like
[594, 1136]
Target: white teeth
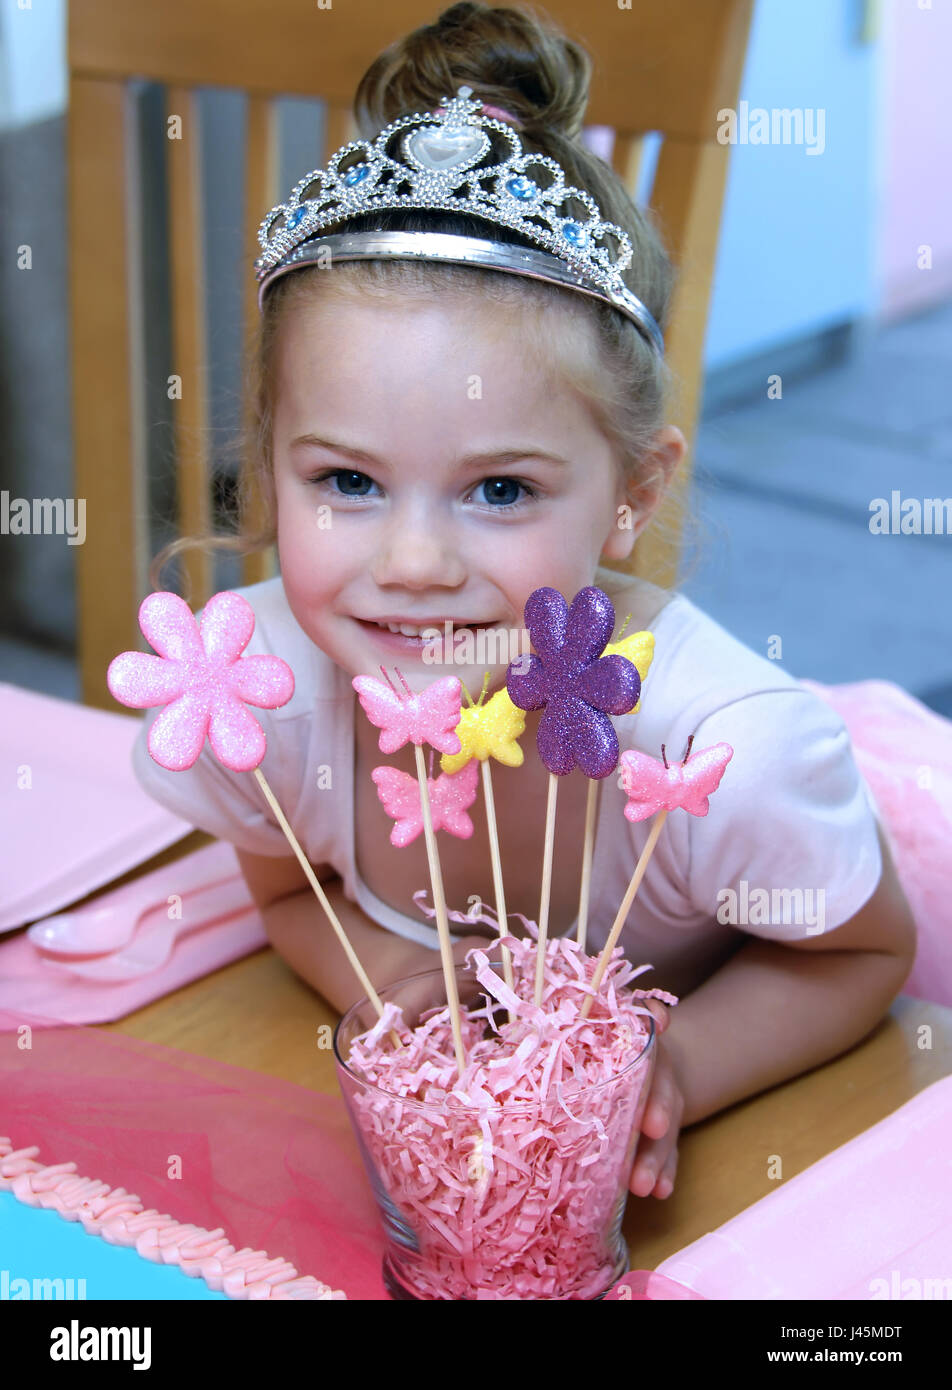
[404, 629]
[408, 630]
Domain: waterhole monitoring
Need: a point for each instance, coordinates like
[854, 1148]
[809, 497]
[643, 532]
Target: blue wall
[33, 74]
[797, 242]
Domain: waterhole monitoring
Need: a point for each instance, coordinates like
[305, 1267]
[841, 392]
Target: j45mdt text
[810, 1334]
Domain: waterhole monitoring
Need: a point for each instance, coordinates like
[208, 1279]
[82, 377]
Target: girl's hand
[656, 1158]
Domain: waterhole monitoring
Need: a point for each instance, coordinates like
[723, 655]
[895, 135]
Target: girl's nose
[417, 552]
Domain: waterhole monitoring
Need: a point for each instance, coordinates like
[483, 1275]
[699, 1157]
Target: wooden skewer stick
[623, 911]
[315, 883]
[546, 884]
[501, 919]
[587, 853]
[439, 902]
[589, 842]
[498, 891]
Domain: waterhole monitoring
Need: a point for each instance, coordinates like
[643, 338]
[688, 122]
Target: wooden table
[258, 1014]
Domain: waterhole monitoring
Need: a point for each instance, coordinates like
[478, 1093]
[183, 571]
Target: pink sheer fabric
[274, 1164]
[904, 751]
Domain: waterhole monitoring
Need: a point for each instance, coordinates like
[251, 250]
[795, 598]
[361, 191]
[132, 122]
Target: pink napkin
[29, 982]
[872, 1220]
[72, 815]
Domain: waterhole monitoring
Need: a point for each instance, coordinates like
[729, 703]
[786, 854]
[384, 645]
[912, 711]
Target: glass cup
[461, 1221]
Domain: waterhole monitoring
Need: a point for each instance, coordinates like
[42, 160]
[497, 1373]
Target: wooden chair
[658, 68]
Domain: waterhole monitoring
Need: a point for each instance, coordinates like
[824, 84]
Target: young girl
[437, 440]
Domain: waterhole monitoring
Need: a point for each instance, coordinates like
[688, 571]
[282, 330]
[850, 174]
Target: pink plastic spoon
[107, 923]
[153, 943]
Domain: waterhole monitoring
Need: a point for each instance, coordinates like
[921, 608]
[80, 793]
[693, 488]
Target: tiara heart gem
[453, 147]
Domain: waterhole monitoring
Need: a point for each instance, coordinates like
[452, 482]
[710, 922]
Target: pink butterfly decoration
[429, 717]
[654, 786]
[202, 678]
[450, 796]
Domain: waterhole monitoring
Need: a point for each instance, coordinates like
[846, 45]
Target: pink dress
[904, 751]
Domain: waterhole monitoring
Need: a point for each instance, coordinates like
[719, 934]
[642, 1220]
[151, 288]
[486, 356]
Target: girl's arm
[776, 1010]
[299, 931]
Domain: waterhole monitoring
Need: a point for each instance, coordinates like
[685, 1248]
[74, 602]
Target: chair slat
[190, 412]
[687, 197]
[627, 154]
[261, 193]
[339, 129]
[106, 371]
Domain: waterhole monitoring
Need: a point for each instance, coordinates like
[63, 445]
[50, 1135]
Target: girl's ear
[639, 497]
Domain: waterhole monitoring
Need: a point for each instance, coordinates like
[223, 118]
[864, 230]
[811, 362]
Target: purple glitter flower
[578, 687]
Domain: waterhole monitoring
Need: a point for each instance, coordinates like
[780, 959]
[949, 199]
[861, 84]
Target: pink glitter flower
[199, 676]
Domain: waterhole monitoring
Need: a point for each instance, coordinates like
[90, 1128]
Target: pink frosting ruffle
[118, 1216]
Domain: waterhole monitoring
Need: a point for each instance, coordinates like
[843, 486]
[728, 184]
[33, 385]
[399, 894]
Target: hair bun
[511, 58]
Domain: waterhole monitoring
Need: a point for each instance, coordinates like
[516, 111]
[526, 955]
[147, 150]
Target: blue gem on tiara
[357, 175]
[522, 188]
[575, 234]
[295, 217]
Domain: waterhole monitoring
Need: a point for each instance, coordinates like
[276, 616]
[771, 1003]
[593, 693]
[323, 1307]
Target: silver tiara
[440, 165]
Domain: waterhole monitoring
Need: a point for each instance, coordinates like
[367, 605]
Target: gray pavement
[782, 498]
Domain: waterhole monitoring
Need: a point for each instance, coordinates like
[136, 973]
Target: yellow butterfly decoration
[639, 649]
[488, 730]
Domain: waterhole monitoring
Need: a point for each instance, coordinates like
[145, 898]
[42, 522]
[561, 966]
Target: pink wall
[916, 141]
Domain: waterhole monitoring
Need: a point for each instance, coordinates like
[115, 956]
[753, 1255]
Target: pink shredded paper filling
[510, 1180]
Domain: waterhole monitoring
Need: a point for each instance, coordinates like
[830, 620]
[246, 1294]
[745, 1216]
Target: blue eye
[503, 493]
[349, 482]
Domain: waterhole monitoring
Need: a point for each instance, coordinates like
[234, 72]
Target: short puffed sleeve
[229, 805]
[789, 846]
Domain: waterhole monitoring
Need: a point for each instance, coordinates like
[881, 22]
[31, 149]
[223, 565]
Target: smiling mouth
[418, 630]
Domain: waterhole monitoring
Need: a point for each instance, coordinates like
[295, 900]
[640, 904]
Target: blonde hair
[516, 60]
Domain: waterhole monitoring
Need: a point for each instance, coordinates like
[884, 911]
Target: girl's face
[427, 473]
